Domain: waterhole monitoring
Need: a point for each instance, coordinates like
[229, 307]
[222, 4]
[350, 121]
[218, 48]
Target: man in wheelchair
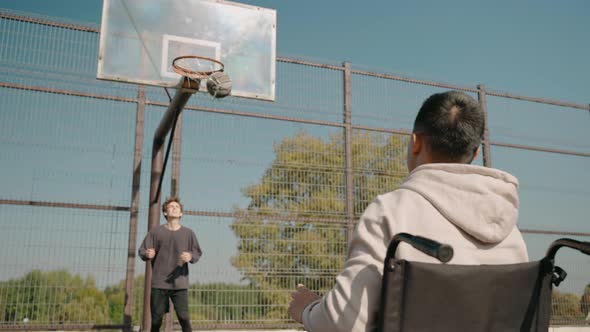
[444, 197]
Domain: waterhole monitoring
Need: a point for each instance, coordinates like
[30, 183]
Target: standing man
[472, 208]
[169, 248]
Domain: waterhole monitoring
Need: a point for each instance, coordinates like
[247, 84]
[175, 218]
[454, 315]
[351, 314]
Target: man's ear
[417, 143]
[476, 153]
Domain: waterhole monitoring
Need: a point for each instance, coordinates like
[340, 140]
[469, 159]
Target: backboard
[140, 38]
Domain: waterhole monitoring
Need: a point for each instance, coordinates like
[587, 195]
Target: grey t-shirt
[168, 270]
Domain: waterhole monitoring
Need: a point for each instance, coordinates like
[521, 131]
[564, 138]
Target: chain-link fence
[272, 189]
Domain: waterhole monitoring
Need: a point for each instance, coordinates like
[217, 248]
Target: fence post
[175, 107]
[348, 173]
[175, 172]
[481, 94]
[134, 211]
[174, 189]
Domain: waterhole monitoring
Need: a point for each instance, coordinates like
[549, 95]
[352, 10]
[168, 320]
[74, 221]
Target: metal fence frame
[347, 125]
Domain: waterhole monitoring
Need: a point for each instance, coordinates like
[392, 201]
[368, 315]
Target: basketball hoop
[192, 66]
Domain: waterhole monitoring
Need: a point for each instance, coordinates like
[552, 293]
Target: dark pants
[159, 306]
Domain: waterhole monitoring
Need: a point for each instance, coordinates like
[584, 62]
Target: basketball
[219, 84]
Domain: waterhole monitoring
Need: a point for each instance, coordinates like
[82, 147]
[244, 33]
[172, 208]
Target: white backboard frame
[136, 36]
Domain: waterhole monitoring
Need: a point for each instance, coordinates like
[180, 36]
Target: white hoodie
[472, 208]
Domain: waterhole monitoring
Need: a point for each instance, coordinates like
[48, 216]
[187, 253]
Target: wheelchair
[418, 296]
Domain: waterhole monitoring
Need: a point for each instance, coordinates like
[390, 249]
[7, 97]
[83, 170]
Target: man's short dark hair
[453, 125]
[170, 200]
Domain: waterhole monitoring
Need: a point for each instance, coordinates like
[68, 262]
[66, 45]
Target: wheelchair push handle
[583, 247]
[442, 252]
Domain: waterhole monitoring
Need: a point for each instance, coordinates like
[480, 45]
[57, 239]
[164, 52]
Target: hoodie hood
[479, 200]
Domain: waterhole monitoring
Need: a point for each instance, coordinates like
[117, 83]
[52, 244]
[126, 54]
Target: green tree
[565, 307]
[53, 296]
[585, 301]
[281, 241]
[116, 301]
[221, 302]
[87, 304]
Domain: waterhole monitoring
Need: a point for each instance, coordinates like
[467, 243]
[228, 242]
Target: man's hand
[150, 253]
[301, 298]
[186, 257]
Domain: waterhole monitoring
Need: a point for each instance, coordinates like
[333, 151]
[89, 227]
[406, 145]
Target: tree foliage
[115, 295]
[585, 301]
[294, 228]
[565, 308]
[55, 296]
[222, 302]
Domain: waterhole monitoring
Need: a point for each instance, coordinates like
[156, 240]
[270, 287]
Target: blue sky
[536, 48]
